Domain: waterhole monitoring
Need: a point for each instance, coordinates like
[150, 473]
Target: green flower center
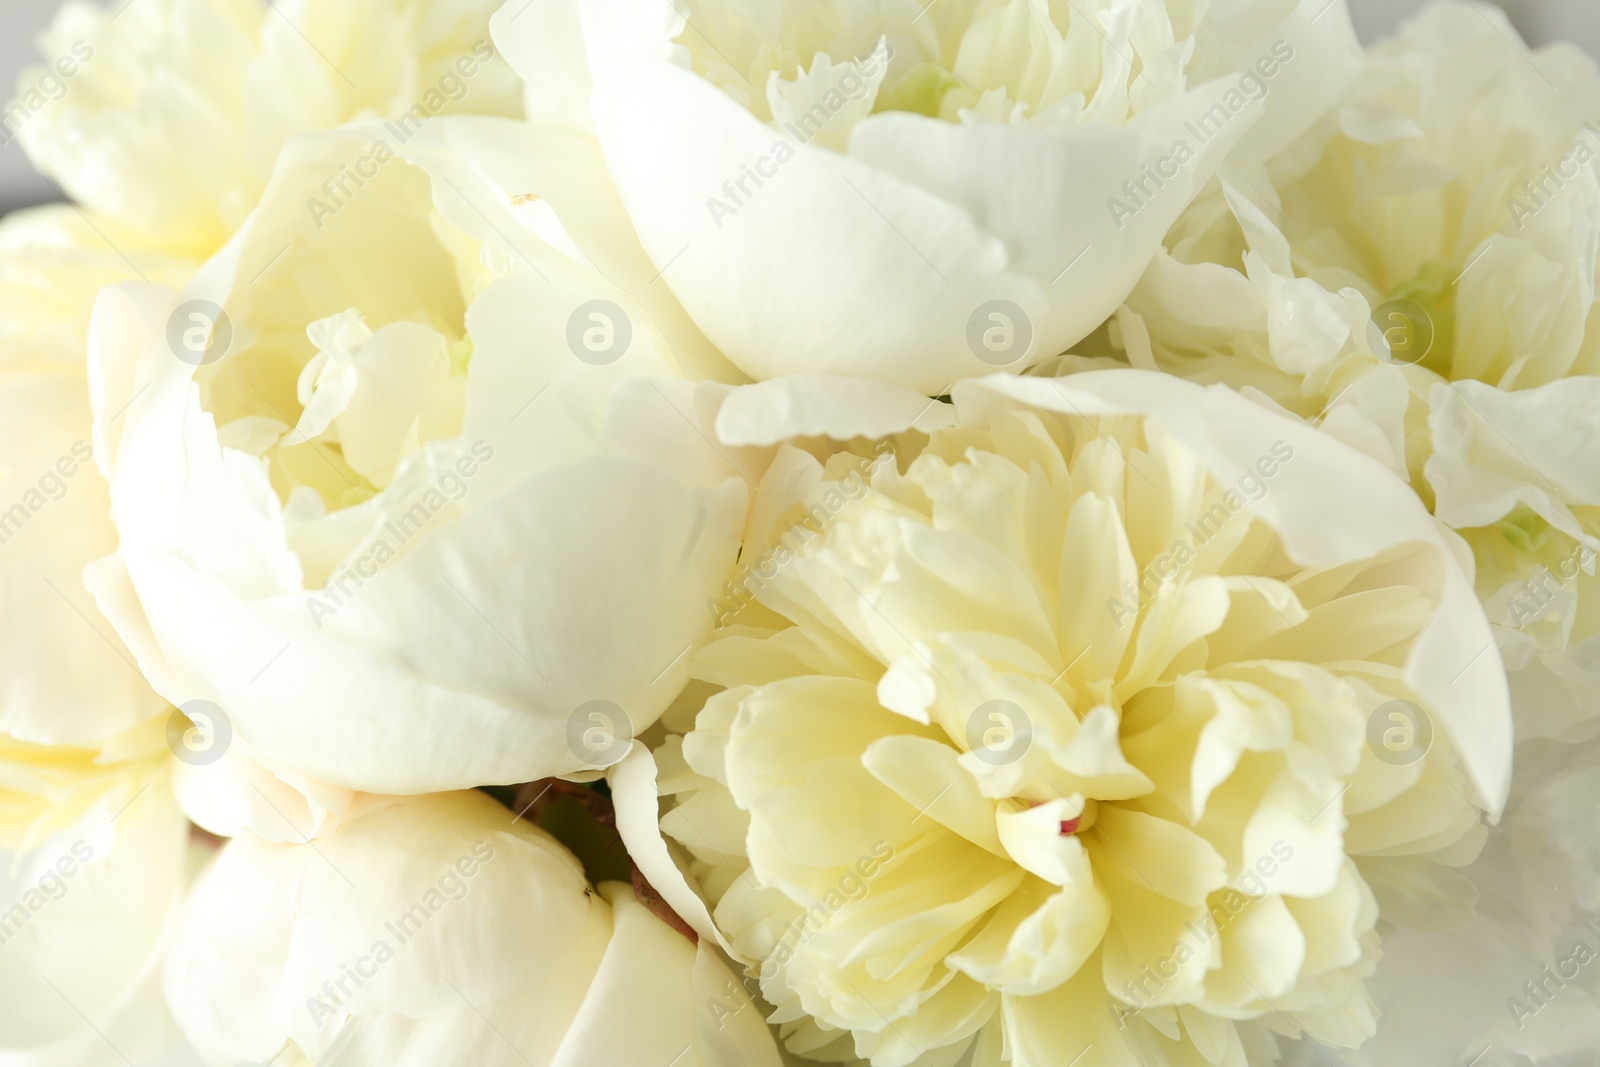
[1430, 343]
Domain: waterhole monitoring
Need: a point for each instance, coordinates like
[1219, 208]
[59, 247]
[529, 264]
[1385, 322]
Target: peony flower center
[1076, 703]
[1537, 579]
[1427, 339]
[831, 64]
[351, 351]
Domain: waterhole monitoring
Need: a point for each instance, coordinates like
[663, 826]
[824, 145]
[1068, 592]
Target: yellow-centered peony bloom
[1417, 275]
[1091, 729]
[962, 185]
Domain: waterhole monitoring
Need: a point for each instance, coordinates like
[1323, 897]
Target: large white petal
[85, 915]
[1496, 450]
[467, 902]
[909, 232]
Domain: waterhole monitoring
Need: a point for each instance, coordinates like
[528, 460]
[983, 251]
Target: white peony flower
[444, 930]
[92, 847]
[166, 117]
[357, 475]
[70, 681]
[92, 871]
[1418, 276]
[915, 191]
[1104, 723]
[67, 677]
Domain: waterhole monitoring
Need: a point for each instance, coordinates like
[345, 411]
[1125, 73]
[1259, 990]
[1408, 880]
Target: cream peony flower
[166, 117]
[1418, 275]
[92, 870]
[357, 475]
[67, 676]
[92, 846]
[960, 186]
[68, 679]
[444, 930]
[1103, 724]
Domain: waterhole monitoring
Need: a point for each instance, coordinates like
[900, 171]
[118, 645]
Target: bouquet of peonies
[707, 533]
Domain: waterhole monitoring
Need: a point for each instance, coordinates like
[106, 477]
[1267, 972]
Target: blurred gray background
[21, 20]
